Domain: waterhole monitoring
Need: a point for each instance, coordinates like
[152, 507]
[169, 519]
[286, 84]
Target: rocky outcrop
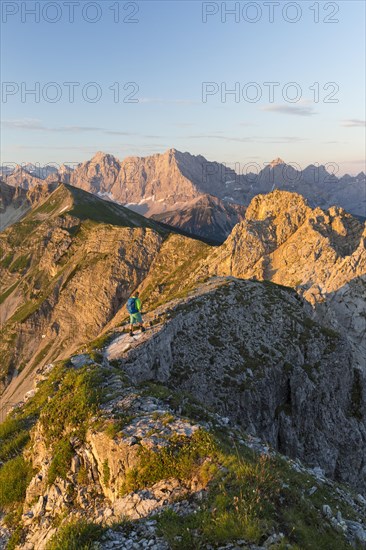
[282, 239]
[251, 352]
[148, 181]
[93, 487]
[319, 253]
[344, 310]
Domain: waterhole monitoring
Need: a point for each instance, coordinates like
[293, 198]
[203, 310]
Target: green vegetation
[167, 280]
[21, 263]
[180, 532]
[76, 536]
[248, 496]
[14, 436]
[72, 397]
[16, 539]
[116, 427]
[251, 497]
[167, 419]
[329, 332]
[106, 472]
[302, 516]
[14, 478]
[5, 262]
[7, 293]
[178, 401]
[100, 342]
[14, 445]
[179, 459]
[21, 231]
[42, 354]
[75, 400]
[82, 476]
[356, 407]
[243, 494]
[61, 460]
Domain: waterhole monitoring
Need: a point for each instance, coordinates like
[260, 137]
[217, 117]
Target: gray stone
[327, 511]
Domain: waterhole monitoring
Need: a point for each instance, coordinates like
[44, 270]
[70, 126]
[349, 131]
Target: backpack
[131, 306]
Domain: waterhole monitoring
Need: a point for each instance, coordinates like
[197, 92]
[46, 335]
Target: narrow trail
[122, 344]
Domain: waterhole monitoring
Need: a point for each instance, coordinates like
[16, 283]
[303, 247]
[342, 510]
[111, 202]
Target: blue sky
[169, 52]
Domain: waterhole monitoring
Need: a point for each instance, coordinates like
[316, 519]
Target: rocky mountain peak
[278, 204]
[276, 162]
[105, 158]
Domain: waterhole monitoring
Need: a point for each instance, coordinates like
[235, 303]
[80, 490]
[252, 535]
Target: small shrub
[179, 531]
[82, 476]
[13, 517]
[96, 357]
[115, 427]
[9, 428]
[60, 465]
[167, 418]
[17, 538]
[101, 342]
[76, 536]
[232, 524]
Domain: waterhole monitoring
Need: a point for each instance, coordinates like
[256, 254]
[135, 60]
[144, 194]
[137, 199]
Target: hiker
[134, 309]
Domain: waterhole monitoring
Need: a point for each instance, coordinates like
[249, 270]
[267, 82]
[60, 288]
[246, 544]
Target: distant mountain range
[265, 333]
[187, 191]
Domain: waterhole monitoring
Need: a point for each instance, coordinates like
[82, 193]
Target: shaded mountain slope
[206, 216]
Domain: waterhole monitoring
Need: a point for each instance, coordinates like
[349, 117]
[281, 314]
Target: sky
[138, 78]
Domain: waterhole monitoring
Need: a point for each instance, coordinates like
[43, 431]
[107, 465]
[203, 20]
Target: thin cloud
[23, 124]
[296, 110]
[250, 139]
[36, 125]
[354, 123]
[93, 149]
